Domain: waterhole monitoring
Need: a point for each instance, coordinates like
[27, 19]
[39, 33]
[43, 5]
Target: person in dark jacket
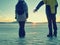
[21, 15]
[51, 11]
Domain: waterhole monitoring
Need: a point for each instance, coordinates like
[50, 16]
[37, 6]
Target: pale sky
[7, 11]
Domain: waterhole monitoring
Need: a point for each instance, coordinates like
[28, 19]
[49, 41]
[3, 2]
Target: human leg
[50, 28]
[54, 22]
[54, 25]
[21, 29]
[48, 13]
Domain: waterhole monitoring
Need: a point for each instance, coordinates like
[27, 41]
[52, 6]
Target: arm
[27, 13]
[15, 15]
[26, 10]
[39, 5]
[16, 12]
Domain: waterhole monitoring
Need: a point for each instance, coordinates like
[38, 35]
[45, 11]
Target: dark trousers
[51, 20]
[22, 29]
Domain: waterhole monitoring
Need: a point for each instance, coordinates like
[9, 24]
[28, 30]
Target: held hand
[26, 15]
[15, 17]
[34, 10]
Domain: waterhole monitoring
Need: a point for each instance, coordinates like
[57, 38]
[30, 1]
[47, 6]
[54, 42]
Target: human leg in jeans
[21, 29]
[49, 18]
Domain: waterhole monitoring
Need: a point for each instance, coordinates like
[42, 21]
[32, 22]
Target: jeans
[21, 29]
[51, 20]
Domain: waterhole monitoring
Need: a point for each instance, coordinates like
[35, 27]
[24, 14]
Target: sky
[7, 11]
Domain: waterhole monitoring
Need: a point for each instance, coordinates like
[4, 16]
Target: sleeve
[15, 13]
[26, 10]
[39, 5]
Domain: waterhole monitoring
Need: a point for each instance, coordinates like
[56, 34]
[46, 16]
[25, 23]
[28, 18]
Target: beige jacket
[52, 4]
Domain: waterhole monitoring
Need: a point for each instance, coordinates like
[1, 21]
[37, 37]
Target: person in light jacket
[51, 11]
[21, 16]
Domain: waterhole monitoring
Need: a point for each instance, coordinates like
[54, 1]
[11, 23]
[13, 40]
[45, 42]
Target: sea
[36, 34]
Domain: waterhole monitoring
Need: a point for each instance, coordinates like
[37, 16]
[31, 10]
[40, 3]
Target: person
[21, 15]
[51, 11]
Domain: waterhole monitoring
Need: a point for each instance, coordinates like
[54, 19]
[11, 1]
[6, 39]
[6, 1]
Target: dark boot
[50, 34]
[55, 33]
[22, 34]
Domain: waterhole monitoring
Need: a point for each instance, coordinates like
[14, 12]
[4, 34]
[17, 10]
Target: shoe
[21, 34]
[55, 35]
[49, 35]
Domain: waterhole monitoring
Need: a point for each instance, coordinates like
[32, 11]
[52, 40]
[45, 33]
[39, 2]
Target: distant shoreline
[26, 22]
